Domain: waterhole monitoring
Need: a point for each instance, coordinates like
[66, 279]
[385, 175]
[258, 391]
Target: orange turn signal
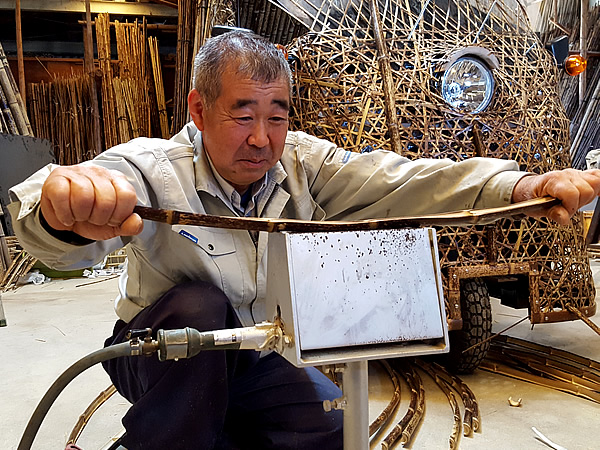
[575, 64]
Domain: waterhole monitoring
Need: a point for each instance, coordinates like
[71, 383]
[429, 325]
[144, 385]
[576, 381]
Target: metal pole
[583, 46]
[355, 386]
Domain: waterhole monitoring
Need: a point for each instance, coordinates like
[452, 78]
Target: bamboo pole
[20, 67]
[159, 87]
[10, 125]
[388, 82]
[91, 70]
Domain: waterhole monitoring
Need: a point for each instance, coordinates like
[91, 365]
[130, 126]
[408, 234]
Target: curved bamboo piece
[404, 429]
[386, 414]
[445, 387]
[89, 411]
[417, 384]
[545, 366]
[471, 418]
[467, 217]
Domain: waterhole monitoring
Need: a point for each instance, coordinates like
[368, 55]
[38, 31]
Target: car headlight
[468, 85]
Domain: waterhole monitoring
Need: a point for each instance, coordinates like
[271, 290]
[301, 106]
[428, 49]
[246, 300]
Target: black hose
[114, 351]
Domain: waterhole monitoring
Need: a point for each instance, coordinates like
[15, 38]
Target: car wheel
[477, 327]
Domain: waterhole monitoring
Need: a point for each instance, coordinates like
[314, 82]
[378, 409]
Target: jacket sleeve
[54, 252]
[379, 184]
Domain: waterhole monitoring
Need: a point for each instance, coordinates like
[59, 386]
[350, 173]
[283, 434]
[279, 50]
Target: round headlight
[468, 85]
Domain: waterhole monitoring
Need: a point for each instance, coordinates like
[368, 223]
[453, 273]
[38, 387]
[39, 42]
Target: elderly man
[237, 158]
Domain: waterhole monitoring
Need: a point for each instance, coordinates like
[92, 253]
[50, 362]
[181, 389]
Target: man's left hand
[574, 188]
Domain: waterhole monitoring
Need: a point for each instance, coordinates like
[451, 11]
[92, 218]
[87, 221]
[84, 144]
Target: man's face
[244, 130]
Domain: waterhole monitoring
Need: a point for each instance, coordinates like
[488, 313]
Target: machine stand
[355, 387]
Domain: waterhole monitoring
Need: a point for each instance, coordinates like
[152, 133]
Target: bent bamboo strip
[467, 217]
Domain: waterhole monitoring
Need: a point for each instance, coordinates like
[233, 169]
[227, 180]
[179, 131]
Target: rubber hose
[114, 351]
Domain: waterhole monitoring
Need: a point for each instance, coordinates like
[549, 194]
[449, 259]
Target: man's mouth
[253, 162]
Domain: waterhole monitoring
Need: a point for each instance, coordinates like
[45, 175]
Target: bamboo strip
[158, 85]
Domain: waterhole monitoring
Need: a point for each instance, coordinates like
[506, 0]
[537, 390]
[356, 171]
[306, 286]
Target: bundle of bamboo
[108, 100]
[13, 115]
[61, 113]
[130, 99]
[186, 30]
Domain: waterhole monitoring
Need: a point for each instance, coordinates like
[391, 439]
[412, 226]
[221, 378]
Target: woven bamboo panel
[341, 95]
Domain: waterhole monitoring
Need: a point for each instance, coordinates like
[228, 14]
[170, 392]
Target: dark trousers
[223, 399]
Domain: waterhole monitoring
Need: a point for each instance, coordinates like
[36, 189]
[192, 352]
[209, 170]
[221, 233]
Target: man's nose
[259, 136]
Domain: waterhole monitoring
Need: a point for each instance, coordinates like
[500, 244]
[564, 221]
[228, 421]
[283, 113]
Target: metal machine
[372, 295]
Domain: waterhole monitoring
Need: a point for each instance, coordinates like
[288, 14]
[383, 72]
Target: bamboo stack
[186, 31]
[13, 115]
[61, 112]
[132, 88]
[39, 108]
[104, 61]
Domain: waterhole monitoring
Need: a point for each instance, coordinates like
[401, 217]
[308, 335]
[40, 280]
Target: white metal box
[356, 295]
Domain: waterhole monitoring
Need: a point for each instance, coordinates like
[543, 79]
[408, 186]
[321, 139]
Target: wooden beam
[150, 26]
[97, 7]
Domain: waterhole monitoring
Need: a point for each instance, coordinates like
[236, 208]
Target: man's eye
[279, 119]
[243, 119]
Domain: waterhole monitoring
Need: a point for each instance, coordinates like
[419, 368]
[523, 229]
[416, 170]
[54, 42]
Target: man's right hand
[92, 201]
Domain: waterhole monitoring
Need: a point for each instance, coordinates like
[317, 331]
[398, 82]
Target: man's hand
[92, 201]
[575, 188]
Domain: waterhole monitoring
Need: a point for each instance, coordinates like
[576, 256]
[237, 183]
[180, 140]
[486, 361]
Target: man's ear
[196, 107]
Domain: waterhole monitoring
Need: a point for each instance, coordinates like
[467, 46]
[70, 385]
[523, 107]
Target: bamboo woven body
[341, 96]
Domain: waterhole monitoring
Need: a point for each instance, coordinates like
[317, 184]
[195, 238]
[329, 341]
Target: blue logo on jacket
[191, 237]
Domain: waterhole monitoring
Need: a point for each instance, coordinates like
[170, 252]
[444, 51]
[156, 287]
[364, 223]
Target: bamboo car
[452, 79]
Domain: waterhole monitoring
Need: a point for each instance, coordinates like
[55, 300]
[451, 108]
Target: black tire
[477, 327]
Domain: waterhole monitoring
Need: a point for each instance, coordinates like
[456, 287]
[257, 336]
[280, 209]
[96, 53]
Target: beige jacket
[314, 180]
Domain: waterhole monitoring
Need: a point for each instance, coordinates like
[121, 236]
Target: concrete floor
[52, 325]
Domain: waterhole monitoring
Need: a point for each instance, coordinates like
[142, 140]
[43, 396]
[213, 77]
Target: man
[237, 158]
